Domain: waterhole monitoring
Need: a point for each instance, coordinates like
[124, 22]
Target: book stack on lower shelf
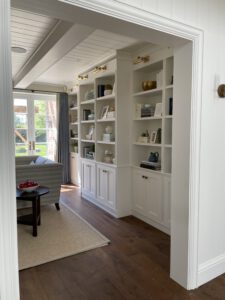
[156, 166]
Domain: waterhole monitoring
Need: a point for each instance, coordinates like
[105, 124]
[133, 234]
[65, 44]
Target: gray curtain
[63, 136]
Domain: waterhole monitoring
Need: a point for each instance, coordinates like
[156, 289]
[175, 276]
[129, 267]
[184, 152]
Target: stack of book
[150, 165]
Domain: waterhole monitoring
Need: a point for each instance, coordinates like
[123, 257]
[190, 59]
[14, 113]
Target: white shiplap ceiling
[96, 47]
[28, 31]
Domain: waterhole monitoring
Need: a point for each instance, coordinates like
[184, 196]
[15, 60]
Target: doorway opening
[182, 57]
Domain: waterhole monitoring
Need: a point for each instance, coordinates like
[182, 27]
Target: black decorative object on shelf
[153, 157]
[170, 106]
[159, 136]
[101, 90]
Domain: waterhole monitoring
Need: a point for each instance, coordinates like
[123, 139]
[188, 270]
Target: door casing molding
[9, 286]
[9, 281]
[138, 16]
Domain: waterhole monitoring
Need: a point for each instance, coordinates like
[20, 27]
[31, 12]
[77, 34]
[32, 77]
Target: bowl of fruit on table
[28, 186]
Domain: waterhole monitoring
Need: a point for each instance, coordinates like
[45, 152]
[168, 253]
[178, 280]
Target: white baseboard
[151, 222]
[211, 269]
[95, 202]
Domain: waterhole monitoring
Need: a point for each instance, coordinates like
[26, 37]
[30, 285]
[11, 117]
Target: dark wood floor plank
[135, 266]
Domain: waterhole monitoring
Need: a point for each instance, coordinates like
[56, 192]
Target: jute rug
[62, 233]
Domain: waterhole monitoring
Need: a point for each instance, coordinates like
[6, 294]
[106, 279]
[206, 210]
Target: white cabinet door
[106, 185]
[139, 191]
[166, 200]
[74, 168]
[88, 178]
[147, 194]
[154, 197]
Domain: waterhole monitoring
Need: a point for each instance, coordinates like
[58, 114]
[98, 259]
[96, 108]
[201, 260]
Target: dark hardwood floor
[134, 266]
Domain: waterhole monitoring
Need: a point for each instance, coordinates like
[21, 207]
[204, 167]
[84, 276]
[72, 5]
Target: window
[35, 119]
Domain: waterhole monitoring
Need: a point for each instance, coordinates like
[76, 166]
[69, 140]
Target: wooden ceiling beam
[63, 38]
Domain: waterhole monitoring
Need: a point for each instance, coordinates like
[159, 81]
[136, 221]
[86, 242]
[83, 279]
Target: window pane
[40, 107]
[45, 114]
[40, 121]
[21, 150]
[20, 121]
[21, 136]
[20, 105]
[40, 136]
[41, 149]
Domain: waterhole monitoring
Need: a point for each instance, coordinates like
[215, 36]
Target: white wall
[180, 166]
[9, 287]
[209, 16]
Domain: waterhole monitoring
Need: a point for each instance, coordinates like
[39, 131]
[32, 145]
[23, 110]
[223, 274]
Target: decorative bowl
[29, 189]
[91, 117]
[148, 85]
[28, 186]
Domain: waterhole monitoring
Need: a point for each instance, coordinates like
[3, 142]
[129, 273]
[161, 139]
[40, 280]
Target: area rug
[61, 234]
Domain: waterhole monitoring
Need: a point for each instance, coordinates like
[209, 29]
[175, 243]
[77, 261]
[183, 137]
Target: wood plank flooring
[135, 266]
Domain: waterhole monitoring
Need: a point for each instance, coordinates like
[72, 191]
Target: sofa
[44, 171]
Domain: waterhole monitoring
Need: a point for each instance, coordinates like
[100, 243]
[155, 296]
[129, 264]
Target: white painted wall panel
[210, 17]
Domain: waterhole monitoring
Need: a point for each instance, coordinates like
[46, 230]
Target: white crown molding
[138, 16]
[9, 283]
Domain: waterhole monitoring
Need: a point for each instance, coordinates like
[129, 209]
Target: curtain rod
[35, 91]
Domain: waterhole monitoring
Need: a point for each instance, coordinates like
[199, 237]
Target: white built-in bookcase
[103, 182]
[74, 136]
[122, 187]
[117, 75]
[160, 94]
[73, 122]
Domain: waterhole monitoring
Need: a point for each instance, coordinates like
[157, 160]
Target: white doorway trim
[9, 283]
[134, 15]
[9, 287]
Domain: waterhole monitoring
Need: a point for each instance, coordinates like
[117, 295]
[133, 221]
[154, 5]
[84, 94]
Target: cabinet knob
[105, 171]
[145, 177]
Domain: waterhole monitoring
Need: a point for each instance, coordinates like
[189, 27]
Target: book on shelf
[150, 165]
[86, 113]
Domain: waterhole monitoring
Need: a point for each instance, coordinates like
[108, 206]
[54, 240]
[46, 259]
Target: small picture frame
[158, 110]
[153, 137]
[104, 112]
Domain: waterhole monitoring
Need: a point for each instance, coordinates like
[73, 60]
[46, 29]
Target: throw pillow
[40, 160]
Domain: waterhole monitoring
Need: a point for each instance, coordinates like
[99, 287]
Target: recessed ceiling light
[18, 50]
